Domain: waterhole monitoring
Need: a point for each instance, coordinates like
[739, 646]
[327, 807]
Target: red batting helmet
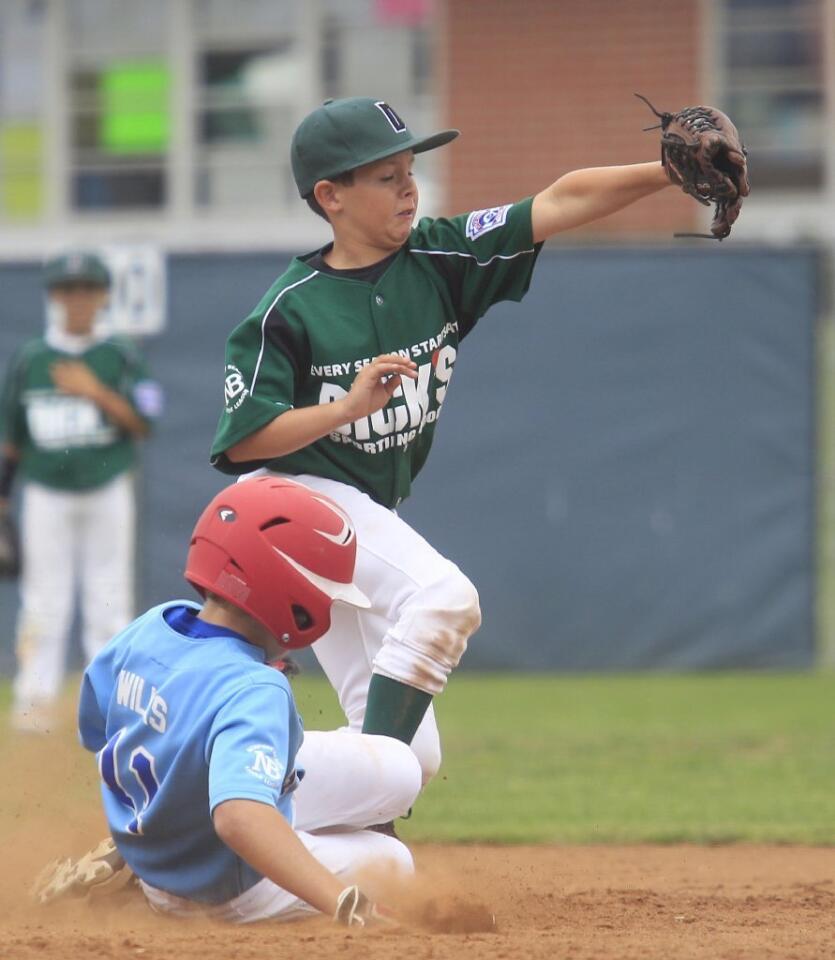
[281, 552]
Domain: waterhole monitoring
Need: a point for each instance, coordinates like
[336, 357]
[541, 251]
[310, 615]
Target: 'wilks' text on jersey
[130, 693]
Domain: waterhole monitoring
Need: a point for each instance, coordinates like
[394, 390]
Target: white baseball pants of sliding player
[73, 544]
[351, 780]
[423, 610]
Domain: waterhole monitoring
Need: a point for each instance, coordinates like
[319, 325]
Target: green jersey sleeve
[485, 256]
[263, 365]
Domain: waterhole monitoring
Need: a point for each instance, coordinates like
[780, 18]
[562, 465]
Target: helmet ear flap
[211, 568]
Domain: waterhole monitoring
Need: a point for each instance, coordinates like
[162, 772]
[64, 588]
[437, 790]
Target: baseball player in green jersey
[72, 407]
[339, 375]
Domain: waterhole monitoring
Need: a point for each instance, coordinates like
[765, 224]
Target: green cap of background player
[76, 268]
[344, 134]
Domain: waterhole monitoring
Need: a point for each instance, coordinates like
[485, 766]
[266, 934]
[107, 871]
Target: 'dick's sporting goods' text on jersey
[316, 328]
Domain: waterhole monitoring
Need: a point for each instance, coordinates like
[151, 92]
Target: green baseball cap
[344, 134]
[76, 268]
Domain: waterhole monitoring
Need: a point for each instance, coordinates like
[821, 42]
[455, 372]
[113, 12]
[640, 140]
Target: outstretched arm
[585, 195]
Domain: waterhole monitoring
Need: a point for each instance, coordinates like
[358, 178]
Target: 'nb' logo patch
[395, 122]
[265, 765]
[234, 388]
[233, 385]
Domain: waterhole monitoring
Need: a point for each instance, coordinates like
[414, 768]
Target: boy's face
[81, 303]
[380, 205]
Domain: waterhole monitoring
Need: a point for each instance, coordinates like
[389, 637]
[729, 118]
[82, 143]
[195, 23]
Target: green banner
[135, 114]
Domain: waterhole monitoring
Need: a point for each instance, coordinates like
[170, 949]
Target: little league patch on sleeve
[148, 397]
[483, 221]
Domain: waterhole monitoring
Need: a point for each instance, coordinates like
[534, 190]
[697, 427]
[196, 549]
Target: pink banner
[410, 12]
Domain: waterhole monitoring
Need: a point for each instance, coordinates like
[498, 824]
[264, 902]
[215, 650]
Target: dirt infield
[567, 903]
[576, 903]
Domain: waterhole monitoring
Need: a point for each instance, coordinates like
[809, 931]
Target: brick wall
[541, 87]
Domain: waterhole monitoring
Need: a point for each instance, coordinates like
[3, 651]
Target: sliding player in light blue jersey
[211, 799]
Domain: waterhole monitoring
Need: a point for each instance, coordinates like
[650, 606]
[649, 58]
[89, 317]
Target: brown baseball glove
[702, 152]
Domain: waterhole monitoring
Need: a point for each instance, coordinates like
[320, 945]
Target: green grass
[825, 478]
[592, 759]
[635, 758]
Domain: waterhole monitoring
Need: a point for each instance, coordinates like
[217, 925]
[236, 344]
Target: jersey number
[140, 790]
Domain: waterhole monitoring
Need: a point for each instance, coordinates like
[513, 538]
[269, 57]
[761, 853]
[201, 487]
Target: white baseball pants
[423, 610]
[351, 780]
[73, 543]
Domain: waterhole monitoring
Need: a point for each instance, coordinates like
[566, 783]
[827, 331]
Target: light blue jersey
[184, 715]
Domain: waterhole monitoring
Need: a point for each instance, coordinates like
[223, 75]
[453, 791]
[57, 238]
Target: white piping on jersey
[472, 256]
[278, 296]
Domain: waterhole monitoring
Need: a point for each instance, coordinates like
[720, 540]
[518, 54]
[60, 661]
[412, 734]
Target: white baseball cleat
[102, 870]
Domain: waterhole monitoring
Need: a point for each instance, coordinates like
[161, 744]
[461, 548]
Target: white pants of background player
[423, 610]
[73, 543]
[351, 780]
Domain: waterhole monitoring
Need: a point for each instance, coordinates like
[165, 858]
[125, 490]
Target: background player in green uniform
[73, 405]
[340, 373]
